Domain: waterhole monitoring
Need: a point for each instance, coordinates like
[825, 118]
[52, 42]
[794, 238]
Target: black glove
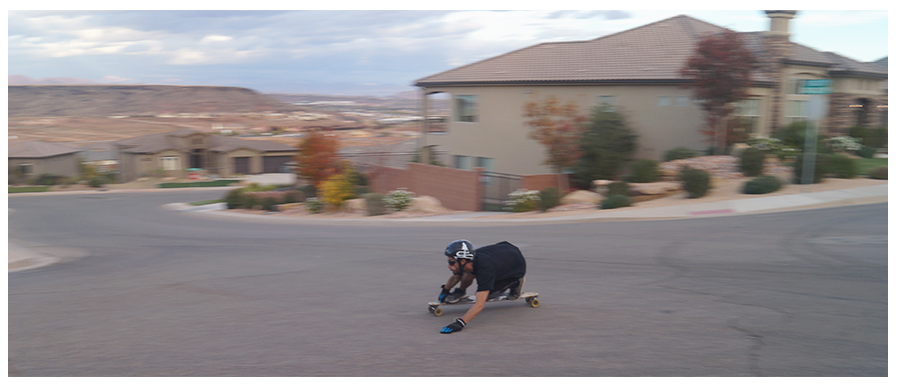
[455, 326]
[444, 293]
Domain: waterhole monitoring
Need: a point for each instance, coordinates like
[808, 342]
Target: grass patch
[216, 183]
[207, 202]
[29, 189]
[863, 166]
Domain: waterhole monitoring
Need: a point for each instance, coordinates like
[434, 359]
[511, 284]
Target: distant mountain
[25, 80]
[105, 100]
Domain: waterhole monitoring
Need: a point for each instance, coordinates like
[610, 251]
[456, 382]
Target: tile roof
[848, 66]
[225, 144]
[157, 142]
[654, 52]
[38, 149]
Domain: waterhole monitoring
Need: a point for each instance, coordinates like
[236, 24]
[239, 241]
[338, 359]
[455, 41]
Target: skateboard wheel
[431, 309]
[438, 312]
[534, 303]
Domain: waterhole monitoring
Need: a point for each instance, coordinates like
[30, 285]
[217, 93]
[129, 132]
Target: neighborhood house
[174, 152]
[638, 73]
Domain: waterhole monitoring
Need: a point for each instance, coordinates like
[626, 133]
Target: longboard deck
[529, 297]
[471, 299]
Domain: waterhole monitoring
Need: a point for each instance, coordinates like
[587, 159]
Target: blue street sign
[815, 87]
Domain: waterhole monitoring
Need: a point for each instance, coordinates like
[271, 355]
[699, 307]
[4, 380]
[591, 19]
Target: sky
[349, 52]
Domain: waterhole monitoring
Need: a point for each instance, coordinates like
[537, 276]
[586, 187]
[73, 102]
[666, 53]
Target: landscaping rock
[581, 196]
[354, 205]
[655, 188]
[426, 204]
[291, 206]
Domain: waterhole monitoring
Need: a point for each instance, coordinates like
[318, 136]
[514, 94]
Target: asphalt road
[153, 292]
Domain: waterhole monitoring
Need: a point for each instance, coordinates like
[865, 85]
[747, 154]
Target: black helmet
[460, 249]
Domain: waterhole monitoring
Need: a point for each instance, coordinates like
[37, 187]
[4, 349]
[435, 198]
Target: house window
[466, 108]
[608, 102]
[795, 109]
[169, 163]
[748, 112]
[682, 101]
[462, 162]
[793, 86]
[662, 101]
[26, 168]
[485, 162]
[487, 165]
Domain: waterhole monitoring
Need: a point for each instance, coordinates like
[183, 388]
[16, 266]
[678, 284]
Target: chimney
[780, 22]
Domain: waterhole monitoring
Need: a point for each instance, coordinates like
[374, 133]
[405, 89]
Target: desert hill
[110, 100]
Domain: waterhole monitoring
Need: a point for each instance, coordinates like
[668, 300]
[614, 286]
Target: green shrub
[607, 145]
[616, 201]
[866, 152]
[309, 191]
[793, 134]
[290, 197]
[753, 162]
[549, 199]
[644, 171]
[695, 182]
[399, 199]
[819, 171]
[374, 204]
[842, 166]
[314, 204]
[618, 188]
[762, 185]
[96, 181]
[843, 144]
[233, 199]
[249, 201]
[679, 153]
[879, 172]
[523, 200]
[49, 180]
[870, 137]
[269, 203]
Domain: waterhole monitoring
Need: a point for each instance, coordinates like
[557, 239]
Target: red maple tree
[559, 128]
[719, 73]
[317, 158]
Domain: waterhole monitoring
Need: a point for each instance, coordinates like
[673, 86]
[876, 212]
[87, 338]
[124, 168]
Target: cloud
[215, 38]
[304, 48]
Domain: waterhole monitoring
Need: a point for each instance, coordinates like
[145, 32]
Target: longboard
[530, 298]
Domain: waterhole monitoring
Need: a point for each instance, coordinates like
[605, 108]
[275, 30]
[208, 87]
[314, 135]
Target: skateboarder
[496, 268]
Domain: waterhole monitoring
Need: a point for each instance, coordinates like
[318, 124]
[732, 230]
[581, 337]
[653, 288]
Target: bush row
[524, 200]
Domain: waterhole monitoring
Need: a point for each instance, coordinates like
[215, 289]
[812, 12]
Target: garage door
[242, 165]
[274, 163]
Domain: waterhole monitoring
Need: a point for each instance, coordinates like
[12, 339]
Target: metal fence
[496, 189]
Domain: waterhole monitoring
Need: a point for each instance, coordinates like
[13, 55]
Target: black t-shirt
[496, 263]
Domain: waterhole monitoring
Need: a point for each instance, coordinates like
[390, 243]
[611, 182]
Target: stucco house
[172, 153]
[638, 72]
[31, 159]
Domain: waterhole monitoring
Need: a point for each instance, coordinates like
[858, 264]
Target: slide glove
[457, 325]
[444, 293]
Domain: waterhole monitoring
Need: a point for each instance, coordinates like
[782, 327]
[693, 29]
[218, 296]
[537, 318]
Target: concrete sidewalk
[26, 257]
